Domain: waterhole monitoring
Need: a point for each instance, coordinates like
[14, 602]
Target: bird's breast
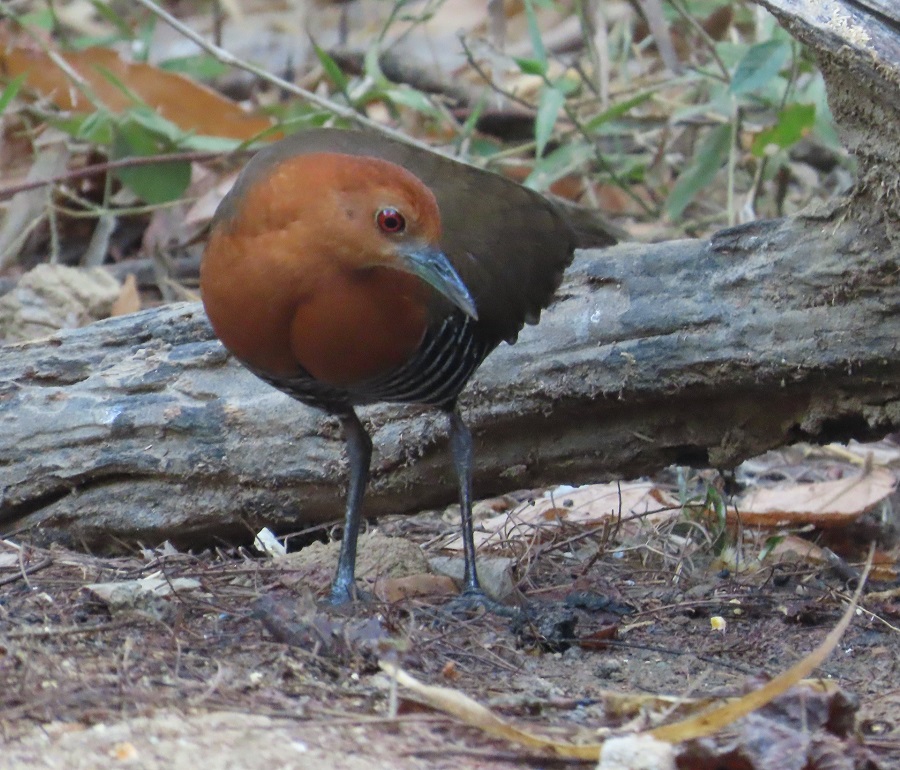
[359, 325]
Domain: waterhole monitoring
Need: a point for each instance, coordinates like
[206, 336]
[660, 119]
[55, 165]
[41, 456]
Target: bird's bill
[433, 267]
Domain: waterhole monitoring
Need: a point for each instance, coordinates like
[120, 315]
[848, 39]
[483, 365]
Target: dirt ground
[235, 666]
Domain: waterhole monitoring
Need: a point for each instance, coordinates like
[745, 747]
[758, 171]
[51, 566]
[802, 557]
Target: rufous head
[329, 241]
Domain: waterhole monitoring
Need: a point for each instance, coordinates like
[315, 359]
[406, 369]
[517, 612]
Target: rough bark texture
[857, 44]
[141, 428]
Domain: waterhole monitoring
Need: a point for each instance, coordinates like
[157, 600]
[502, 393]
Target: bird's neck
[359, 324]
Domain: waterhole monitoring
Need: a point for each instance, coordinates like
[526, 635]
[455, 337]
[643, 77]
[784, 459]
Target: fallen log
[694, 352]
[141, 428]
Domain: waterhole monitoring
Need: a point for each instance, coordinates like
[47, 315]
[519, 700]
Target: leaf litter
[113, 655]
[167, 659]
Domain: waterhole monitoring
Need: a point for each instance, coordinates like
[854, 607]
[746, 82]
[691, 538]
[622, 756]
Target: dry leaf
[589, 505]
[793, 544]
[884, 452]
[129, 299]
[704, 724]
[823, 503]
[205, 206]
[53, 297]
[473, 713]
[424, 584]
[188, 104]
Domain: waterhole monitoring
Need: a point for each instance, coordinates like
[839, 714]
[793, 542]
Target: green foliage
[793, 123]
[738, 109]
[10, 92]
[705, 510]
[534, 33]
[532, 66]
[564, 160]
[733, 115]
[770, 544]
[158, 183]
[759, 66]
[711, 155]
[332, 70]
[615, 112]
[200, 67]
[549, 106]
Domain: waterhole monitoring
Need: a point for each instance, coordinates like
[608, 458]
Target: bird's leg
[461, 447]
[359, 453]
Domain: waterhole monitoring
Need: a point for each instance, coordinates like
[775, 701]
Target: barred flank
[439, 370]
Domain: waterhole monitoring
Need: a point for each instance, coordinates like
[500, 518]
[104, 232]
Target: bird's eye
[390, 221]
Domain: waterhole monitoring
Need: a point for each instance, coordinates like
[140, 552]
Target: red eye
[390, 221]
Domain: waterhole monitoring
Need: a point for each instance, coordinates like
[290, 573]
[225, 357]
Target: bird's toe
[475, 601]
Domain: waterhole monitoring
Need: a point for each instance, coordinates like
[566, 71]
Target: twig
[229, 59]
[30, 633]
[479, 70]
[112, 165]
[23, 573]
[704, 36]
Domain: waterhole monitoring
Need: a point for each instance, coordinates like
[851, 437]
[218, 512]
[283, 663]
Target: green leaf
[199, 67]
[760, 64]
[551, 102]
[144, 36]
[568, 85]
[95, 128]
[710, 156]
[534, 32]
[532, 66]
[41, 19]
[203, 143]
[120, 85]
[105, 11]
[11, 90]
[616, 111]
[814, 91]
[332, 70]
[157, 124]
[156, 183]
[372, 66]
[770, 544]
[794, 122]
[468, 128]
[415, 100]
[556, 164]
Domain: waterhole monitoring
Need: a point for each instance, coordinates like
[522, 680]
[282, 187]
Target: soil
[238, 667]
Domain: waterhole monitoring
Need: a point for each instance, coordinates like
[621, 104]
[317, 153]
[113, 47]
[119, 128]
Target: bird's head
[359, 213]
[329, 262]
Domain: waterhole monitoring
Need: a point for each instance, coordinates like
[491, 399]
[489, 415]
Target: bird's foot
[474, 601]
[343, 594]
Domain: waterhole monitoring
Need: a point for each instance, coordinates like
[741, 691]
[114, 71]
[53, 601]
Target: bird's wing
[509, 244]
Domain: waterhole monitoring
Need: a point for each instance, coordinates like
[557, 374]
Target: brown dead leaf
[53, 297]
[129, 299]
[206, 204]
[797, 546]
[706, 723]
[600, 638]
[396, 589]
[188, 104]
[823, 503]
[589, 505]
[473, 713]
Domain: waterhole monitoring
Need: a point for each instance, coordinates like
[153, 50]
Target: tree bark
[142, 428]
[696, 352]
[857, 45]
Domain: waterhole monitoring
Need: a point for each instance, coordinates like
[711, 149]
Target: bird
[346, 268]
